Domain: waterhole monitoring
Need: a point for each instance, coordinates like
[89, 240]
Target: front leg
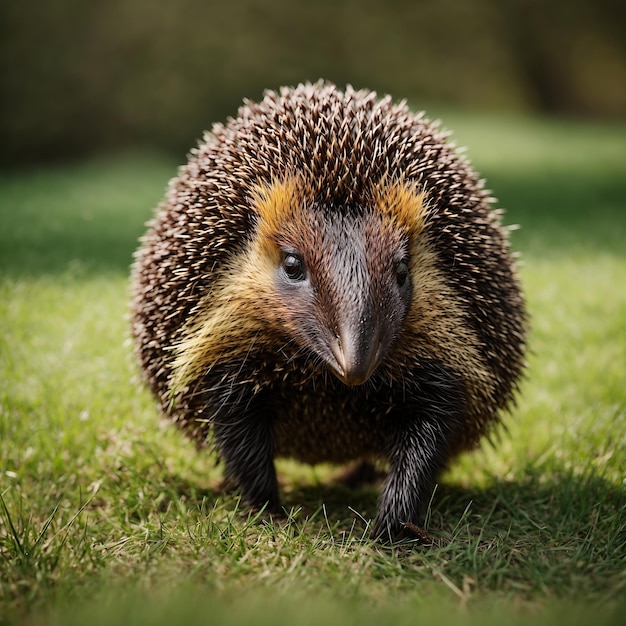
[245, 441]
[421, 438]
[415, 460]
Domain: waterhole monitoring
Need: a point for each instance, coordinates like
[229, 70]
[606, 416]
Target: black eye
[294, 267]
[402, 273]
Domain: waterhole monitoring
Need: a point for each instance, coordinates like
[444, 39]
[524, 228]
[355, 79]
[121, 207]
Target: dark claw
[407, 531]
[419, 535]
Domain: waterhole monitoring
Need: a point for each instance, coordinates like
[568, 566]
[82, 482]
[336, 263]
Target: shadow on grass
[566, 533]
[563, 214]
[562, 510]
[562, 505]
[86, 218]
[563, 533]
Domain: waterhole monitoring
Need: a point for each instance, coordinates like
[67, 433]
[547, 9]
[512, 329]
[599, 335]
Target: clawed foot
[418, 535]
[407, 531]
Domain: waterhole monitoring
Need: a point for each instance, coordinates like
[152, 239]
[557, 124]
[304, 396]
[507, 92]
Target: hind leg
[360, 474]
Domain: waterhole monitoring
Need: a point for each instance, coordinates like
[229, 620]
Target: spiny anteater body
[325, 281]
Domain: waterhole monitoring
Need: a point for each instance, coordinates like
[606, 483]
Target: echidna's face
[341, 278]
[346, 292]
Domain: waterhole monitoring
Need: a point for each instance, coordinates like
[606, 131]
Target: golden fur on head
[279, 204]
[403, 206]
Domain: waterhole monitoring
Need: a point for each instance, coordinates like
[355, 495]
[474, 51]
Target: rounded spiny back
[342, 144]
[340, 147]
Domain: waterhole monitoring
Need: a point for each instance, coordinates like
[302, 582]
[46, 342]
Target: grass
[108, 515]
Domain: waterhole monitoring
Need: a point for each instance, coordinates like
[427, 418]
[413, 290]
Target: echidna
[325, 281]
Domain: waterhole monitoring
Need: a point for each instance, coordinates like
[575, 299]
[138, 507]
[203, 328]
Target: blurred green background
[106, 518]
[84, 77]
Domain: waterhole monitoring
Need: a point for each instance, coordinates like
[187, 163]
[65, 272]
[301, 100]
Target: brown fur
[354, 184]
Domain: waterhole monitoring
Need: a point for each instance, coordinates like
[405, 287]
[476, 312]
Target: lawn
[109, 516]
